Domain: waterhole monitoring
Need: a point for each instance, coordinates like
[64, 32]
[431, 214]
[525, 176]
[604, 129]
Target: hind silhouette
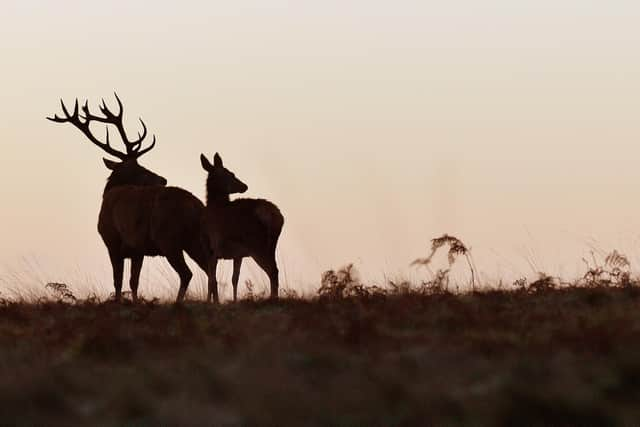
[239, 228]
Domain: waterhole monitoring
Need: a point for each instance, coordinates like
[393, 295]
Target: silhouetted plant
[344, 283]
[253, 294]
[456, 249]
[249, 285]
[291, 293]
[521, 284]
[403, 287]
[61, 292]
[614, 272]
[438, 285]
[543, 283]
[125, 295]
[336, 284]
[92, 299]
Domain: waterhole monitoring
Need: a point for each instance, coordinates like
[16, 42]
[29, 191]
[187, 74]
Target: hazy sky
[375, 126]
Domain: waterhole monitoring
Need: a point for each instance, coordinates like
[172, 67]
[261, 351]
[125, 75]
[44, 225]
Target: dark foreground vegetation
[353, 356]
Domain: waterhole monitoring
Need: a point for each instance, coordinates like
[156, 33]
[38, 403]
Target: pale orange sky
[375, 126]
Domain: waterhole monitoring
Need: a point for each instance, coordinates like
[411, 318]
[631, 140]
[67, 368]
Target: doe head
[220, 179]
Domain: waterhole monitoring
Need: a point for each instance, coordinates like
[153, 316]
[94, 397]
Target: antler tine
[57, 119]
[75, 110]
[141, 136]
[141, 152]
[119, 104]
[104, 108]
[133, 147]
[109, 115]
[85, 110]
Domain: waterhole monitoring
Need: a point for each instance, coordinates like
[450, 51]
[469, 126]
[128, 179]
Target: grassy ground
[528, 357]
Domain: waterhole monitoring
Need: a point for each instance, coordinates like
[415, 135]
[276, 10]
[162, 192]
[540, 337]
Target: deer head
[130, 172]
[127, 171]
[221, 181]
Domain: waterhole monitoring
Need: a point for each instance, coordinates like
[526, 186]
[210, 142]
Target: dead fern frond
[617, 260]
[456, 248]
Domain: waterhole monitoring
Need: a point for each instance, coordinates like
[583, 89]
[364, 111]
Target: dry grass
[541, 354]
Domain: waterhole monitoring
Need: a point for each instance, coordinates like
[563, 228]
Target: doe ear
[110, 164]
[206, 165]
[217, 160]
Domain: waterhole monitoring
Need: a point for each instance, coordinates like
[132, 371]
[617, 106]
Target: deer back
[243, 227]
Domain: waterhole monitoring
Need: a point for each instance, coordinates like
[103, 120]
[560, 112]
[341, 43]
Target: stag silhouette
[140, 216]
[239, 228]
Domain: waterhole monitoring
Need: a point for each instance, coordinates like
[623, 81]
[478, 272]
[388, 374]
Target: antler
[133, 148]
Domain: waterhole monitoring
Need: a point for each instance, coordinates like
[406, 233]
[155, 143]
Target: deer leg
[237, 263]
[136, 266]
[197, 250]
[117, 264]
[212, 294]
[180, 266]
[269, 265]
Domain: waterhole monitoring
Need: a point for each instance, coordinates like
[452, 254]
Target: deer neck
[121, 181]
[111, 184]
[218, 200]
[115, 182]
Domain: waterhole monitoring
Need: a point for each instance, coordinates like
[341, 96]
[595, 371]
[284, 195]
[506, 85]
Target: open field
[410, 356]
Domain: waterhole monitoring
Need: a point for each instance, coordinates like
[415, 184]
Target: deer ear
[217, 161]
[110, 164]
[206, 165]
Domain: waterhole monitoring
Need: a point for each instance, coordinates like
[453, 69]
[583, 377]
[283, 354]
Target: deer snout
[243, 188]
[163, 181]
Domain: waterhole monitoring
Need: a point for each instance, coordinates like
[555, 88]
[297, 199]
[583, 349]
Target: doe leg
[269, 265]
[212, 267]
[237, 263]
